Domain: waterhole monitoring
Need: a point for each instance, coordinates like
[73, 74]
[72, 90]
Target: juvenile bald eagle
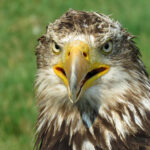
[92, 87]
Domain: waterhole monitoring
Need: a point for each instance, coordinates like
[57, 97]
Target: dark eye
[107, 47]
[56, 48]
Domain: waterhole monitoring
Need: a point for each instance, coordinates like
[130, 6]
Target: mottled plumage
[111, 114]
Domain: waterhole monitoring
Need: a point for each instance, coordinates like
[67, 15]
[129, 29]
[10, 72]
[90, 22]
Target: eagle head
[93, 90]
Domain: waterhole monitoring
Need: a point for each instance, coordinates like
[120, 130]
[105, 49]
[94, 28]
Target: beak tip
[72, 95]
[72, 99]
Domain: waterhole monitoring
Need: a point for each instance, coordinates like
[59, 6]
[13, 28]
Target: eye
[56, 48]
[107, 47]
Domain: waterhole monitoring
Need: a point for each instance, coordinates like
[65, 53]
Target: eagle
[92, 88]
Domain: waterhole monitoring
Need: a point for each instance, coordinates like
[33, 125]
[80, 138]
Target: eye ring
[107, 47]
[56, 48]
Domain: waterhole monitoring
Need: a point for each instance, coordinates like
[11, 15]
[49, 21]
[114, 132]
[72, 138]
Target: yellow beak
[77, 72]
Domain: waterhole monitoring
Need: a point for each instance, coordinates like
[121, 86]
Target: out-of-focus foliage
[21, 23]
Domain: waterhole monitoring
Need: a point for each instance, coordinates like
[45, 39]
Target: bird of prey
[92, 88]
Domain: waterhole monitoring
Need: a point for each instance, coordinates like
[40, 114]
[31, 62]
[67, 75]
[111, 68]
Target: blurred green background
[21, 23]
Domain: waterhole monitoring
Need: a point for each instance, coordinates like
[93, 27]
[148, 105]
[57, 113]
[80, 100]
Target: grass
[21, 23]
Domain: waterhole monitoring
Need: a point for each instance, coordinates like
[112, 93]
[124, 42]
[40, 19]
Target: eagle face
[91, 85]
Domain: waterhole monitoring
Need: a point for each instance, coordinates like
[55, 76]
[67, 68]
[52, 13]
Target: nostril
[84, 54]
[68, 53]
